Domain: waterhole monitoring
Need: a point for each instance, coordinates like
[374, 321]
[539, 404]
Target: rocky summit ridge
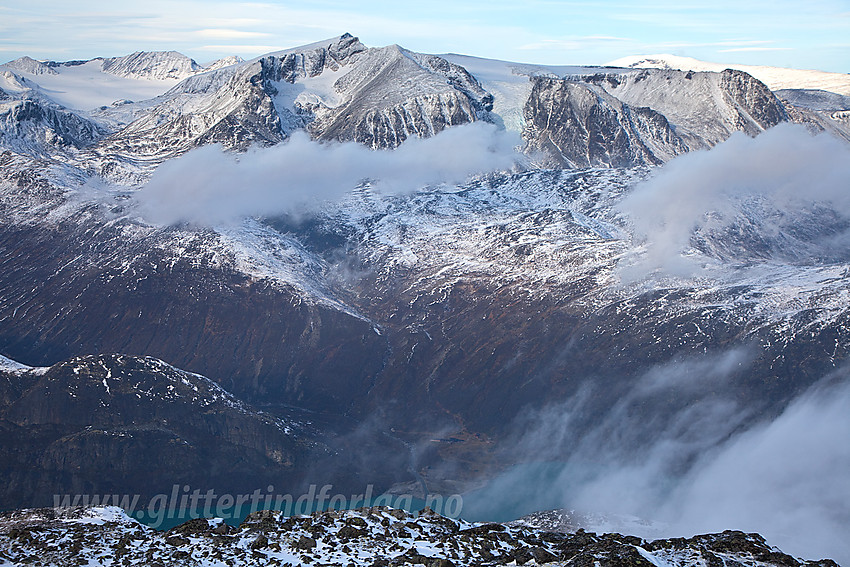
[369, 537]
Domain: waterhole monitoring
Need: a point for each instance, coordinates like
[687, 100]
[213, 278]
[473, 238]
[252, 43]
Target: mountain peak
[151, 65]
[776, 78]
[344, 41]
[224, 62]
[29, 65]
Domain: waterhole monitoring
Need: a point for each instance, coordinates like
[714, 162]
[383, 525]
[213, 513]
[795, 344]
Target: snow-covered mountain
[340, 90]
[815, 98]
[514, 229]
[151, 65]
[33, 124]
[87, 85]
[776, 78]
[430, 321]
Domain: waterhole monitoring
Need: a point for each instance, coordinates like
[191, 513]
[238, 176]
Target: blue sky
[813, 34]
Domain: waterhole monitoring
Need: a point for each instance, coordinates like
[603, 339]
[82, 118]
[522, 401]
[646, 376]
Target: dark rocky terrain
[103, 423]
[368, 536]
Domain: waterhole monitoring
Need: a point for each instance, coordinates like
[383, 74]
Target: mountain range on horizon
[535, 286]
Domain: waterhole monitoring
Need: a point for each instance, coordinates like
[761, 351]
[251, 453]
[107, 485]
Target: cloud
[223, 33]
[787, 479]
[231, 48]
[680, 450]
[743, 49]
[640, 436]
[782, 195]
[208, 186]
[571, 42]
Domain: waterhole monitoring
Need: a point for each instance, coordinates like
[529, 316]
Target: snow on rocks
[376, 536]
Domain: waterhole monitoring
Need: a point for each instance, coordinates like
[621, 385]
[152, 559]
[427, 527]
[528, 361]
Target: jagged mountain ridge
[776, 78]
[138, 65]
[337, 90]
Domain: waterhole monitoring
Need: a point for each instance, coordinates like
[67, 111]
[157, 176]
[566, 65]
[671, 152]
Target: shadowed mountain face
[137, 298]
[105, 423]
[430, 322]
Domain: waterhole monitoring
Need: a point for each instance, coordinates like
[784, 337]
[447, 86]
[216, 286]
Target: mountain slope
[97, 421]
[426, 95]
[819, 110]
[775, 78]
[337, 90]
[33, 124]
[577, 125]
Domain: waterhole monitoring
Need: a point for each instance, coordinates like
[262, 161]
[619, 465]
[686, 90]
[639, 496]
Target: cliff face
[32, 123]
[757, 107]
[642, 117]
[579, 125]
[392, 94]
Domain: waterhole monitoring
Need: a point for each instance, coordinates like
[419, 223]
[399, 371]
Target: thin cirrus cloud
[748, 49]
[728, 46]
[731, 43]
[221, 33]
[571, 43]
[241, 48]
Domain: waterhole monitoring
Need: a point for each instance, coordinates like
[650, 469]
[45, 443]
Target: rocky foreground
[377, 536]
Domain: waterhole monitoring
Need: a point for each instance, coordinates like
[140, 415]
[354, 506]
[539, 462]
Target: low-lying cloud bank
[208, 186]
[788, 479]
[781, 193]
[706, 464]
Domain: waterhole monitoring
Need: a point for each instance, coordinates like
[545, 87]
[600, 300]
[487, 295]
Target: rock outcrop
[366, 537]
[643, 117]
[575, 124]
